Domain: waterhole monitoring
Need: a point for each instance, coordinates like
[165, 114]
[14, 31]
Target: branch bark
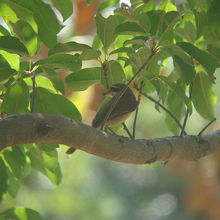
[37, 127]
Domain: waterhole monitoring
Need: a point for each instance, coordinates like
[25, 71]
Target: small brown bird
[117, 109]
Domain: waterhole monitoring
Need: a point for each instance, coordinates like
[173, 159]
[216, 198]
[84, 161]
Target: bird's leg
[127, 130]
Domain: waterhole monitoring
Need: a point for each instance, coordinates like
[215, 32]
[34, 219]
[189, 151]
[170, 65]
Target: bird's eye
[115, 89]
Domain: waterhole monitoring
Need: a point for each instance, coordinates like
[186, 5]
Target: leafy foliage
[124, 41]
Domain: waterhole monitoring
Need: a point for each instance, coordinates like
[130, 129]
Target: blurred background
[93, 188]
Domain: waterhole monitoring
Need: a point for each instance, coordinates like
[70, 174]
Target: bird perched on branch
[122, 103]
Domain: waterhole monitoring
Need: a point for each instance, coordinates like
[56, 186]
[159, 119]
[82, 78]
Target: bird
[122, 103]
[117, 110]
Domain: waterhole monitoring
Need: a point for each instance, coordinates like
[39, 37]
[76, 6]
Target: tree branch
[37, 127]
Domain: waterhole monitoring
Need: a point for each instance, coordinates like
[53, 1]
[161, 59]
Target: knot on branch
[43, 129]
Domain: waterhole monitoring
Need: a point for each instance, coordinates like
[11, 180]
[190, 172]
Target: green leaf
[67, 47]
[82, 79]
[46, 162]
[129, 28]
[3, 178]
[13, 185]
[12, 59]
[207, 60]
[48, 102]
[16, 99]
[90, 54]
[176, 106]
[13, 45]
[175, 88]
[121, 50]
[65, 7]
[12, 163]
[47, 22]
[20, 213]
[186, 70]
[203, 97]
[55, 79]
[5, 69]
[188, 31]
[62, 61]
[105, 29]
[26, 34]
[114, 73]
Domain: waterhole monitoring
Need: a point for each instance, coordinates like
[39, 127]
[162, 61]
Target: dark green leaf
[47, 22]
[13, 45]
[48, 102]
[20, 214]
[16, 99]
[207, 60]
[129, 28]
[105, 29]
[62, 61]
[82, 79]
[65, 7]
[203, 97]
[186, 70]
[68, 47]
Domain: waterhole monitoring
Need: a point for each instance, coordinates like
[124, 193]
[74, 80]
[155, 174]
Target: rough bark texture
[37, 127]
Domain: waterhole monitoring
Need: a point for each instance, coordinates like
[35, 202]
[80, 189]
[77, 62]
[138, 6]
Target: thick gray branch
[37, 127]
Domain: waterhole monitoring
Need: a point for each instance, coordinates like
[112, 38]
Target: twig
[105, 68]
[127, 130]
[163, 107]
[187, 113]
[153, 52]
[137, 109]
[200, 133]
[32, 104]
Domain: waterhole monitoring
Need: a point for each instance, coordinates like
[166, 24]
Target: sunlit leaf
[26, 34]
[20, 213]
